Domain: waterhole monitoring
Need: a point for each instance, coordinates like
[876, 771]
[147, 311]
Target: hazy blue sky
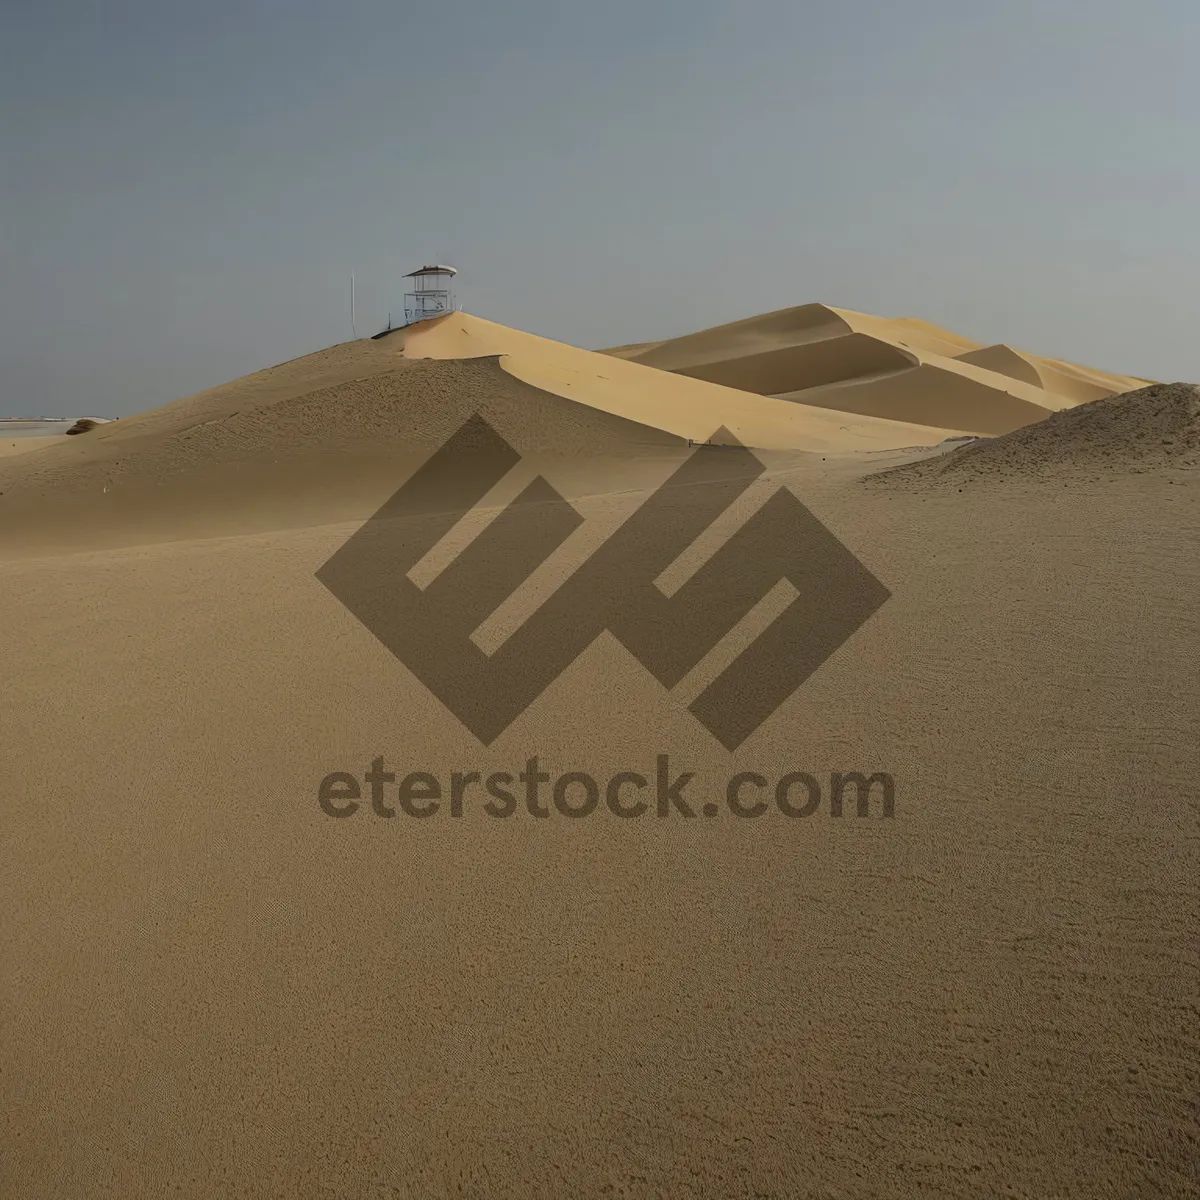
[185, 188]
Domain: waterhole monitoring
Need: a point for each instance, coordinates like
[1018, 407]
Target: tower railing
[431, 295]
[421, 305]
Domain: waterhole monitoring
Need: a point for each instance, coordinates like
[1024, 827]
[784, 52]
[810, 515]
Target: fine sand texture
[212, 987]
[1156, 426]
[9, 447]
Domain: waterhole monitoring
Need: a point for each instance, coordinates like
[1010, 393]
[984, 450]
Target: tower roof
[436, 269]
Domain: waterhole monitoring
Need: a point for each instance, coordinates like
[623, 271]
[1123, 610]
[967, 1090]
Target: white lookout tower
[431, 295]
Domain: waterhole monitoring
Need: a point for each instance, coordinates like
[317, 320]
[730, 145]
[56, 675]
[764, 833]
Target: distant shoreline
[14, 427]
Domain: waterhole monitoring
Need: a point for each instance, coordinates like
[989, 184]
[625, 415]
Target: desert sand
[901, 369]
[211, 987]
[22, 436]
[23, 445]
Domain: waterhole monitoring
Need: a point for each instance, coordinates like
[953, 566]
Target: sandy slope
[287, 449]
[689, 408]
[323, 437]
[210, 987]
[23, 445]
[1138, 431]
[328, 436]
[899, 369]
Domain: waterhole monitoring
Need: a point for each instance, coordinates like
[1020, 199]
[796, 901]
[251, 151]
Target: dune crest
[900, 369]
[687, 406]
[326, 437]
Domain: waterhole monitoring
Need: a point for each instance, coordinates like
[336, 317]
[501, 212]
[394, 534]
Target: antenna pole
[352, 329]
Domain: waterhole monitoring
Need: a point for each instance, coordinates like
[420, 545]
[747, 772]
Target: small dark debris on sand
[1153, 427]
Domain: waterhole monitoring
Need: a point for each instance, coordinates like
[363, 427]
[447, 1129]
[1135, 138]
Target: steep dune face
[934, 395]
[690, 408]
[803, 325]
[898, 369]
[1064, 383]
[814, 364]
[1080, 385]
[918, 335]
[1004, 360]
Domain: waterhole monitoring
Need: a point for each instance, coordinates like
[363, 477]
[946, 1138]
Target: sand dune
[322, 437]
[1004, 360]
[966, 397]
[1154, 427]
[209, 980]
[898, 369]
[211, 987]
[832, 360]
[277, 452]
[328, 436]
[1065, 382]
[689, 408]
[802, 325]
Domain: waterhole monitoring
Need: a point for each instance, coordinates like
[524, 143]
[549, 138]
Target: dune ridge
[893, 368]
[689, 407]
[325, 437]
